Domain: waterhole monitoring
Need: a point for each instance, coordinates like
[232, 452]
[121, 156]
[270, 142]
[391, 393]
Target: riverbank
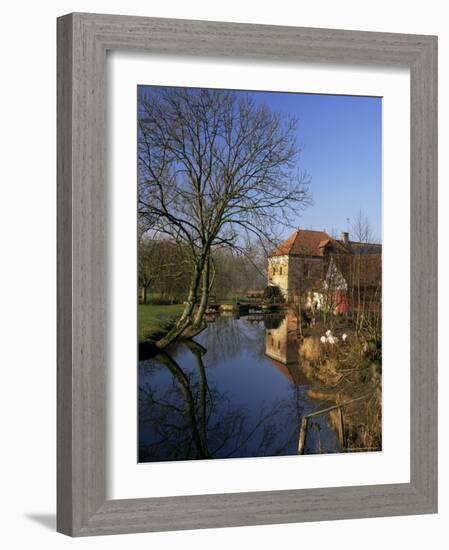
[155, 320]
[348, 372]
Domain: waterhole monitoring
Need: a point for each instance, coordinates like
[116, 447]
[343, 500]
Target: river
[236, 391]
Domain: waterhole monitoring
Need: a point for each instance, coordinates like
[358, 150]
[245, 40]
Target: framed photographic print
[247, 276]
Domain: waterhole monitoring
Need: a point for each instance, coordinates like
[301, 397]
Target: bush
[273, 293]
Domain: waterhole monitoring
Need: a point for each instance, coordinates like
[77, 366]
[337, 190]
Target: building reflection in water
[281, 346]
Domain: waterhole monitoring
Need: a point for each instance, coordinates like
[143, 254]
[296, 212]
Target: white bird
[344, 337]
[328, 333]
[332, 339]
[323, 339]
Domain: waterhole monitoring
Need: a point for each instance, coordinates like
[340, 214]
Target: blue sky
[341, 140]
[342, 148]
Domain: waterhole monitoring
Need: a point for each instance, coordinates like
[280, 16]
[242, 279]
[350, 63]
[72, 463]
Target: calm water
[237, 391]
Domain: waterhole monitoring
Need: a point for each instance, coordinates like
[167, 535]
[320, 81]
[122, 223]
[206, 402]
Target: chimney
[345, 237]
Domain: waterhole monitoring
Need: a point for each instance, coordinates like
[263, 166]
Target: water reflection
[237, 391]
[281, 346]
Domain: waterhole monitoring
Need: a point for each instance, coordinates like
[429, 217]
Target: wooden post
[302, 435]
[340, 425]
[341, 428]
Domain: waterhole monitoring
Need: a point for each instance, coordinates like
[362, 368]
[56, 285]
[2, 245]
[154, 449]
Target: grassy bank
[155, 321]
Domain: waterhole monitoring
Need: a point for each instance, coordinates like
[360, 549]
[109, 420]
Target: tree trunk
[192, 296]
[186, 318]
[198, 323]
[204, 295]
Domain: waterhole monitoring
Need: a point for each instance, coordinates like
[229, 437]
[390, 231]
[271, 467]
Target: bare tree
[214, 168]
[361, 229]
[365, 273]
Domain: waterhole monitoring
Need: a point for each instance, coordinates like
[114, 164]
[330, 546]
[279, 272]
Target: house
[311, 263]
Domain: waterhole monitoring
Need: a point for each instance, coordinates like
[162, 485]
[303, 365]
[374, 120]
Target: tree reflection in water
[192, 419]
[222, 396]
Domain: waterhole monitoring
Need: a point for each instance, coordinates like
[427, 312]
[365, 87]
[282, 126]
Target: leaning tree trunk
[204, 295]
[186, 318]
[198, 323]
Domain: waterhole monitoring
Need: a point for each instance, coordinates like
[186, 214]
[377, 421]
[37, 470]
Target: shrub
[273, 293]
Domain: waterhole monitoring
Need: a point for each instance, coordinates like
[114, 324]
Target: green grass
[155, 321]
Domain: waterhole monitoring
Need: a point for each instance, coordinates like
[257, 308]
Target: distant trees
[238, 273]
[216, 170]
[164, 270]
[147, 269]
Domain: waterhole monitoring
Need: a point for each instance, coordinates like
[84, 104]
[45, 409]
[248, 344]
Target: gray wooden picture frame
[83, 40]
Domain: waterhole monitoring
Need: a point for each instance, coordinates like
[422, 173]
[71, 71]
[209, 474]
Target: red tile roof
[305, 242]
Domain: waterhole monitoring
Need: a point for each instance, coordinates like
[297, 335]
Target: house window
[279, 344]
[280, 271]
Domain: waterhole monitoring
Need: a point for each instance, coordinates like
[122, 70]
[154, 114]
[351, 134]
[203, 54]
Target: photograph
[259, 238]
